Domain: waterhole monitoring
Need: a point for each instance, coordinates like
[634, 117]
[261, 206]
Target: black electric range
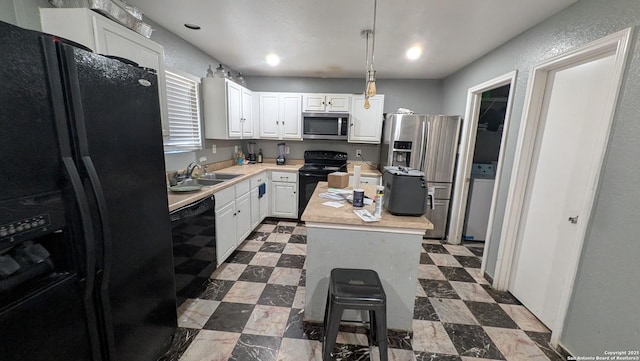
[317, 166]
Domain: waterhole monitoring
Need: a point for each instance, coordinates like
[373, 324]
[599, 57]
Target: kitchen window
[183, 103]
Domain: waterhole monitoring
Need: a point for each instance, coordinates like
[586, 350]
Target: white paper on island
[333, 204]
[365, 215]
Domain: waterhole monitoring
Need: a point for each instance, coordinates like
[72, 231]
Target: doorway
[483, 102]
[561, 147]
[489, 133]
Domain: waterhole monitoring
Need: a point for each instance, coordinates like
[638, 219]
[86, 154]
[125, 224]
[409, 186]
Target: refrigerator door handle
[102, 275]
[426, 132]
[56, 87]
[431, 191]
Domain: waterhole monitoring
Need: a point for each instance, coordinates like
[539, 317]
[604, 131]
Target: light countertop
[319, 213]
[178, 200]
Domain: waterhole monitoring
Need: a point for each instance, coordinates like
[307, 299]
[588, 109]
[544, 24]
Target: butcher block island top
[316, 212]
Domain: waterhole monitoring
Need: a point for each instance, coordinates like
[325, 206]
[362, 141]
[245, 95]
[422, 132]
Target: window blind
[183, 103]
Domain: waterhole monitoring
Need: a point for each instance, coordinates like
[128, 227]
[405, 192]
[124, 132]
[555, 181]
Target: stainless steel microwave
[325, 125]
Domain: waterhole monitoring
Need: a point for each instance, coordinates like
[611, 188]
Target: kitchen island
[338, 238]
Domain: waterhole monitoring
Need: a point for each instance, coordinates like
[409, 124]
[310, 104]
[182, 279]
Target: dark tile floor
[252, 308]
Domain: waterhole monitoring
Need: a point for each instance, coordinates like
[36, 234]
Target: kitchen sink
[218, 176]
[209, 182]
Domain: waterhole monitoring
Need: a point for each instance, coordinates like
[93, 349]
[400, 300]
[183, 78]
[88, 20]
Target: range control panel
[24, 225]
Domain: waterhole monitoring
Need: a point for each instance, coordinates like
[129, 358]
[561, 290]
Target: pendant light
[370, 35]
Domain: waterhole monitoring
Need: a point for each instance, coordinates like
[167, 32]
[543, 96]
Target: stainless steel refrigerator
[428, 143]
[86, 267]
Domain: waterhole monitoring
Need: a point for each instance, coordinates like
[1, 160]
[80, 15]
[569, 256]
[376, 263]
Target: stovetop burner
[324, 161]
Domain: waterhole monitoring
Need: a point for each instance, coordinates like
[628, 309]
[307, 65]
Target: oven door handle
[313, 175]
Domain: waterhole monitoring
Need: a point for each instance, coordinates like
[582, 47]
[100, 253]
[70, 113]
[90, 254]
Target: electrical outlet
[358, 153]
[202, 159]
[213, 149]
[235, 149]
[286, 150]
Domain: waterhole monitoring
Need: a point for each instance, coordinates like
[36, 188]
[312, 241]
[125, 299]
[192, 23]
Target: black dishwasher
[194, 246]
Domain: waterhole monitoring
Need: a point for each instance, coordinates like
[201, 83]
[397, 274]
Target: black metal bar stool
[355, 289]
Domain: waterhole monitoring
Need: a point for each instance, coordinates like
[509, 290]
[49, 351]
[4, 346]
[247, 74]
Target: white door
[234, 109]
[283, 201]
[243, 217]
[225, 232]
[366, 124]
[291, 116]
[337, 103]
[247, 113]
[269, 115]
[574, 116]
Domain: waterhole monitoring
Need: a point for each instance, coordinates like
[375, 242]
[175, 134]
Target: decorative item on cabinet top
[116, 10]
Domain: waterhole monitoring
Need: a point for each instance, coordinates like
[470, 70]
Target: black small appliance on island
[405, 191]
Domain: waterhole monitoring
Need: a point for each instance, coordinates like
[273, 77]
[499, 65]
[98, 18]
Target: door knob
[573, 220]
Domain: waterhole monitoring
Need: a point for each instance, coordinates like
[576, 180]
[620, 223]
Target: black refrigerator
[86, 269]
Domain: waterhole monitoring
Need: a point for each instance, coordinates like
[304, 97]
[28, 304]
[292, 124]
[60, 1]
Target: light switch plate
[202, 159]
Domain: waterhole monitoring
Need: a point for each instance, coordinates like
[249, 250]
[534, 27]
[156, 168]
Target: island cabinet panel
[225, 232]
[337, 238]
[394, 256]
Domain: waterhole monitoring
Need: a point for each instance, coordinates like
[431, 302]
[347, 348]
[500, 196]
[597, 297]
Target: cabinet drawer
[242, 188]
[258, 179]
[366, 180]
[224, 197]
[289, 177]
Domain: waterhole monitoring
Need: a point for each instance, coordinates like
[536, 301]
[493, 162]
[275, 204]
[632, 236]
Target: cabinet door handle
[238, 211]
[351, 125]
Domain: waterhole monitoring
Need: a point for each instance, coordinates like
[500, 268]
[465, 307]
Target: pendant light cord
[373, 33]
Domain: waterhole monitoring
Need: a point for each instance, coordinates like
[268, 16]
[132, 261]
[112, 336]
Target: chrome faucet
[190, 169]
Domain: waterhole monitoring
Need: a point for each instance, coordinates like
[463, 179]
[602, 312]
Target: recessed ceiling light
[273, 59]
[414, 52]
[192, 26]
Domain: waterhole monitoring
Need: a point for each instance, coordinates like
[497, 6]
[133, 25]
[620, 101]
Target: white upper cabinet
[228, 109]
[366, 124]
[280, 115]
[326, 102]
[104, 36]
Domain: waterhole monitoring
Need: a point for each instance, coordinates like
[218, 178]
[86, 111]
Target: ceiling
[321, 38]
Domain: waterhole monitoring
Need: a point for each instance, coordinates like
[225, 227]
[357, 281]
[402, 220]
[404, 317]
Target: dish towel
[262, 189]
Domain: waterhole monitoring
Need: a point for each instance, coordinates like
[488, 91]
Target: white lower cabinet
[233, 219]
[259, 205]
[284, 194]
[243, 217]
[225, 232]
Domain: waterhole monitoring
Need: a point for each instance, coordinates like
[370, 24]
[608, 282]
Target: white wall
[603, 313]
